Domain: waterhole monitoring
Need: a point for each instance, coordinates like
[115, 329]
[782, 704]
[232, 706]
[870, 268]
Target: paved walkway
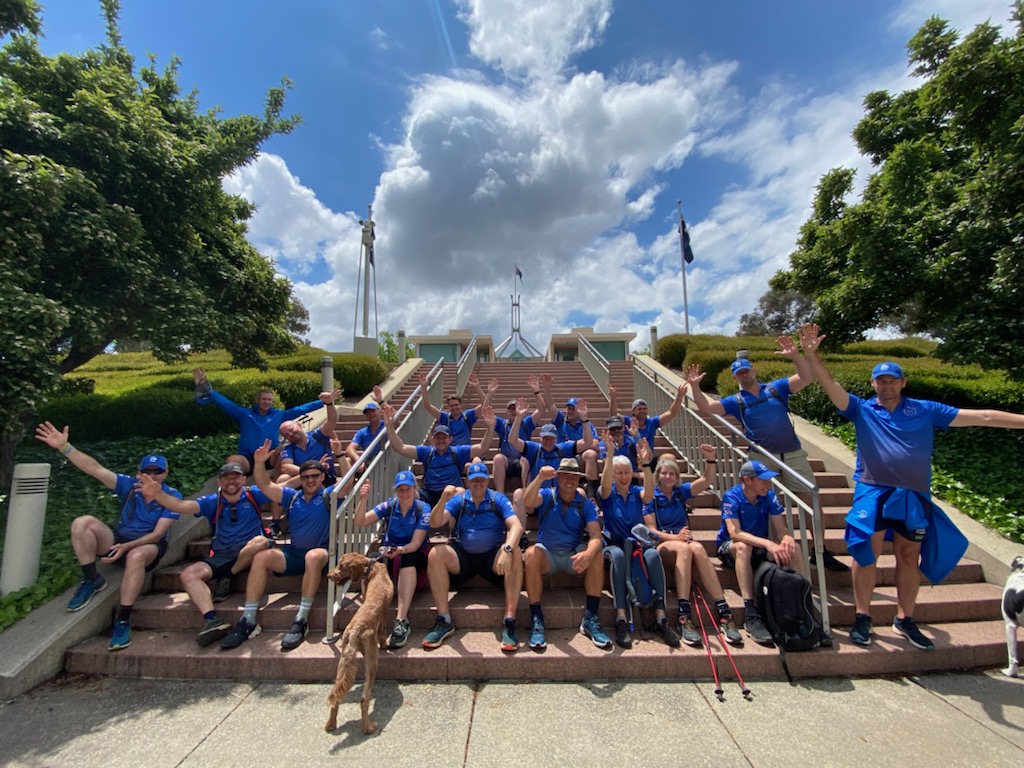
[938, 721]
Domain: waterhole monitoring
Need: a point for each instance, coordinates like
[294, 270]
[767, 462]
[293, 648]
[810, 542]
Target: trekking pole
[707, 647]
[739, 678]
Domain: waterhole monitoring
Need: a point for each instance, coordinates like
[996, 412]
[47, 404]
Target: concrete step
[475, 655]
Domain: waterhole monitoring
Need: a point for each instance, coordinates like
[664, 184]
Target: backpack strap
[493, 507]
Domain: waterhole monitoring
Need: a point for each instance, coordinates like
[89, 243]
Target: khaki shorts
[795, 460]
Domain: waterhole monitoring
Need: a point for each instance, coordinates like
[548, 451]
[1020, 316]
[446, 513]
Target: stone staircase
[962, 614]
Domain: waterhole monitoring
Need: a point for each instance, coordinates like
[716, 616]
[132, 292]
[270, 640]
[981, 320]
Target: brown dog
[366, 632]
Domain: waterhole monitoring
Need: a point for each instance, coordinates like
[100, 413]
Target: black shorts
[220, 562]
[252, 460]
[480, 564]
[757, 556]
[161, 550]
[899, 527]
[430, 497]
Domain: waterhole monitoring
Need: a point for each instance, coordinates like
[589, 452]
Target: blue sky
[556, 135]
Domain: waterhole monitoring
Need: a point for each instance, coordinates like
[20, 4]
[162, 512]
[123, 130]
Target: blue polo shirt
[462, 427]
[538, 457]
[562, 525]
[754, 518]
[401, 526]
[234, 534]
[628, 449]
[318, 445]
[309, 521]
[567, 431]
[503, 427]
[621, 513]
[480, 528]
[255, 427]
[137, 517]
[765, 418]
[895, 449]
[648, 430]
[363, 437]
[441, 469]
[669, 512]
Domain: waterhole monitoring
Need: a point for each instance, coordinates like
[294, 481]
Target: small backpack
[782, 597]
[638, 581]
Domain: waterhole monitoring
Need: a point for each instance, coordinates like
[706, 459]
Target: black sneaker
[860, 633]
[295, 636]
[622, 637]
[668, 634]
[222, 589]
[830, 561]
[908, 628]
[243, 631]
[399, 634]
[756, 629]
[213, 630]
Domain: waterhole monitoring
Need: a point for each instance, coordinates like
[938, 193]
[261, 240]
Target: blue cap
[887, 369]
[441, 429]
[477, 469]
[572, 401]
[153, 460]
[405, 477]
[758, 470]
[370, 406]
[741, 365]
[549, 430]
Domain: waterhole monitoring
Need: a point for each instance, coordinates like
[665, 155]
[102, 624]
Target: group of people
[561, 486]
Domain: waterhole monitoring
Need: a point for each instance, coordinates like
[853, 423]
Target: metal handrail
[412, 424]
[595, 363]
[689, 429]
[465, 367]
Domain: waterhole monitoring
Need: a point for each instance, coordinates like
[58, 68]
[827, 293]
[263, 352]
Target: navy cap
[758, 470]
[153, 460]
[441, 429]
[549, 430]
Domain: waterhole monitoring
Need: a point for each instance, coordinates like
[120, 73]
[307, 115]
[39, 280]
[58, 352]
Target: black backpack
[782, 597]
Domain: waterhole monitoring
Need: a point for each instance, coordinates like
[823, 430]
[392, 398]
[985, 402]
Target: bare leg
[90, 538]
[908, 574]
[255, 545]
[406, 590]
[500, 468]
[536, 566]
[441, 561]
[864, 577]
[194, 579]
[135, 572]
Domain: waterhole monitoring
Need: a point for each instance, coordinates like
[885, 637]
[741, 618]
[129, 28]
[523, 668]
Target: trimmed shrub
[671, 350]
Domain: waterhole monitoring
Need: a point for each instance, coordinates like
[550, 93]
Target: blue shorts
[295, 560]
[560, 561]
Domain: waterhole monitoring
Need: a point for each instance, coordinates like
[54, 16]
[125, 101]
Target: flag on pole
[369, 235]
[519, 273]
[684, 240]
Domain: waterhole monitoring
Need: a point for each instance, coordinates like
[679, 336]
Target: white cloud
[962, 15]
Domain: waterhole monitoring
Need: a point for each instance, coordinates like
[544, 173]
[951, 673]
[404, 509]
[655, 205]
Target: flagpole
[682, 259]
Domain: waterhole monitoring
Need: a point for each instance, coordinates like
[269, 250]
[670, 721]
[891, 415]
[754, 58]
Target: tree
[113, 222]
[935, 245]
[387, 348]
[778, 311]
[297, 321]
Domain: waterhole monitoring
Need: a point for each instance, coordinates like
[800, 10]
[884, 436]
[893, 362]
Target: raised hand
[546, 472]
[52, 436]
[492, 385]
[810, 339]
[694, 375]
[521, 407]
[378, 396]
[261, 454]
[533, 383]
[198, 375]
[643, 452]
[708, 451]
[582, 409]
[488, 417]
[787, 348]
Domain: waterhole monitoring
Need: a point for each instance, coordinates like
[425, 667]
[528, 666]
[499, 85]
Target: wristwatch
[507, 548]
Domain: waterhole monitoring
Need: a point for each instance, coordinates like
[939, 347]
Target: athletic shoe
[121, 637]
[689, 632]
[275, 529]
[213, 630]
[592, 629]
[861, 631]
[830, 562]
[537, 640]
[509, 640]
[668, 634]
[442, 629]
[908, 628]
[243, 631]
[756, 629]
[222, 590]
[295, 636]
[622, 637]
[85, 591]
[399, 634]
[727, 627]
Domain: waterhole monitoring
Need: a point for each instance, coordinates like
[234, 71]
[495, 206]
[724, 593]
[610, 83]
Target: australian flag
[684, 240]
[519, 273]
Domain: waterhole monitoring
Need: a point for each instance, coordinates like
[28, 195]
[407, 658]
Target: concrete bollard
[401, 347]
[654, 342]
[23, 542]
[326, 373]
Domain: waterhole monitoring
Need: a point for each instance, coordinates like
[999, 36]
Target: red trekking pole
[707, 646]
[707, 608]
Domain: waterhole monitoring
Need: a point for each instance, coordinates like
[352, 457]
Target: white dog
[1013, 612]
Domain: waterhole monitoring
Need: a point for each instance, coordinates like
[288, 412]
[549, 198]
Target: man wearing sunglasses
[136, 543]
[234, 514]
[309, 516]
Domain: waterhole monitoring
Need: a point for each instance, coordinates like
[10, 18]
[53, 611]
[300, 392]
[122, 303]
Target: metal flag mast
[684, 252]
[516, 333]
[366, 344]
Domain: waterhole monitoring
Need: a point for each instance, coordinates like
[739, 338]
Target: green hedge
[671, 350]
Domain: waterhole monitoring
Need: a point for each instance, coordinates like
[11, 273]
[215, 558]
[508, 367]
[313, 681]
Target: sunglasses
[316, 476]
[153, 471]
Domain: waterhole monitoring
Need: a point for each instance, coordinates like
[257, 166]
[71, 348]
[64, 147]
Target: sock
[748, 609]
[684, 608]
[723, 608]
[535, 612]
[249, 611]
[209, 615]
[89, 572]
[445, 617]
[593, 486]
[124, 613]
[510, 622]
[593, 601]
[304, 605]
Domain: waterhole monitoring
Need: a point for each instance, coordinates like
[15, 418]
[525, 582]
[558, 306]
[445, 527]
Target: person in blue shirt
[666, 518]
[260, 422]
[892, 496]
[568, 541]
[620, 441]
[364, 437]
[235, 517]
[136, 543]
[509, 462]
[309, 517]
[405, 523]
[484, 542]
[571, 425]
[443, 463]
[458, 421]
[647, 426]
[623, 507]
[753, 529]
